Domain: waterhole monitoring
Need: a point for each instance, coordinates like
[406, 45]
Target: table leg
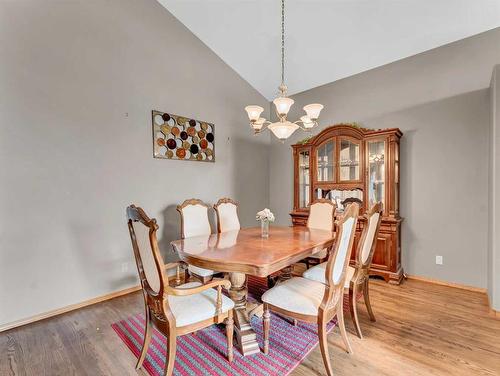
[246, 338]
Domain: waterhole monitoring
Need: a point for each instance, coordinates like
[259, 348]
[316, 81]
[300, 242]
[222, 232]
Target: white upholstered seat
[227, 215]
[194, 217]
[200, 271]
[297, 294]
[194, 308]
[321, 217]
[142, 238]
[317, 273]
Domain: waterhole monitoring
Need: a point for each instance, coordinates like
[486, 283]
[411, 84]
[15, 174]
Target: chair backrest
[321, 215]
[194, 218]
[338, 260]
[368, 241]
[350, 200]
[227, 215]
[147, 255]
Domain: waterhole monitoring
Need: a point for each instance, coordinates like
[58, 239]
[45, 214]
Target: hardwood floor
[421, 329]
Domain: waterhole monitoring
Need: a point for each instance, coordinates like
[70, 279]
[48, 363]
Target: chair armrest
[195, 290]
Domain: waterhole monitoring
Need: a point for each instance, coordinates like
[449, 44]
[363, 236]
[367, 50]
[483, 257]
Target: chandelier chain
[282, 42]
[283, 128]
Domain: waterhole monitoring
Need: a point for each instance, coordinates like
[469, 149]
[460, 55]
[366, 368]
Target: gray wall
[494, 193]
[71, 160]
[440, 101]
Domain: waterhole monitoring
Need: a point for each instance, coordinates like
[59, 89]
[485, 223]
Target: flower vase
[264, 227]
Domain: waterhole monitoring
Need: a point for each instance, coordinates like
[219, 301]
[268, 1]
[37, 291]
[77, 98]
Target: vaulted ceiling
[327, 40]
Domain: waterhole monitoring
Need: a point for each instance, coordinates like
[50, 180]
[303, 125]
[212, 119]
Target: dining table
[244, 252]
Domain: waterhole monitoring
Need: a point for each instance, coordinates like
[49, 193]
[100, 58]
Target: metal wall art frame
[182, 138]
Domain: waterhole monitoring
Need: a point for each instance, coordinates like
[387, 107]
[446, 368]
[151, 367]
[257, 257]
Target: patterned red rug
[205, 352]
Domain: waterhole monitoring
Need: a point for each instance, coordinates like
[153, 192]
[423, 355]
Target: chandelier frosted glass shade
[257, 125]
[283, 105]
[283, 130]
[306, 121]
[313, 110]
[254, 112]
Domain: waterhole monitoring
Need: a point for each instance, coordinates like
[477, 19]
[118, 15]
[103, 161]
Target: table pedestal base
[246, 338]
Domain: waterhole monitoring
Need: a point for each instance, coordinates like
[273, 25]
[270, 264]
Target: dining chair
[350, 200]
[194, 222]
[357, 280]
[312, 301]
[174, 311]
[322, 217]
[227, 215]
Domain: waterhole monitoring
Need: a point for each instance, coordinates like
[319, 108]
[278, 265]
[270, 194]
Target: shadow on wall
[250, 186]
[171, 230]
[91, 240]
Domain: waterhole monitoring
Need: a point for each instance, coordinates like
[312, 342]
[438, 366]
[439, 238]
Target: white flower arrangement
[265, 215]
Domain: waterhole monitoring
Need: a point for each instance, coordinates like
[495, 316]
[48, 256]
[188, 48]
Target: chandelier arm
[265, 127]
[300, 123]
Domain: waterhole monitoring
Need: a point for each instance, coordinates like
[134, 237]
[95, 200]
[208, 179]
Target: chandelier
[283, 128]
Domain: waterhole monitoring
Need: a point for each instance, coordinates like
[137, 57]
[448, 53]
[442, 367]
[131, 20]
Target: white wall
[71, 160]
[439, 99]
[494, 193]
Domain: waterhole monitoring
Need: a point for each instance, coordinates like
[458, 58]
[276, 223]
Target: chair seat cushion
[297, 294]
[317, 273]
[200, 271]
[194, 308]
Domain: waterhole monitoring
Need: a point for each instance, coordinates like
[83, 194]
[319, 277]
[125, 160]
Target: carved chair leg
[353, 308]
[366, 295]
[148, 330]
[266, 323]
[229, 335]
[171, 350]
[323, 344]
[341, 324]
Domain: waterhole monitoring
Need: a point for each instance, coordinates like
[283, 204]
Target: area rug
[205, 352]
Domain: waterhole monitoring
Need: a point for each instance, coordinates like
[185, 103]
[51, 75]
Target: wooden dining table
[245, 252]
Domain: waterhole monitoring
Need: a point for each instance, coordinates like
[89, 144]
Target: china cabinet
[346, 161]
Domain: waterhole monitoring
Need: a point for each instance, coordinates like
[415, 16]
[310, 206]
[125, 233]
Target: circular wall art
[182, 138]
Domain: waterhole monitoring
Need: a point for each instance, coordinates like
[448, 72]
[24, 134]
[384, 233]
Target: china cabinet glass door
[304, 183]
[325, 162]
[349, 160]
[376, 172]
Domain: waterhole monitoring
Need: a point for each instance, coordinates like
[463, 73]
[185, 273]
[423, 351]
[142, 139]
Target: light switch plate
[439, 260]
